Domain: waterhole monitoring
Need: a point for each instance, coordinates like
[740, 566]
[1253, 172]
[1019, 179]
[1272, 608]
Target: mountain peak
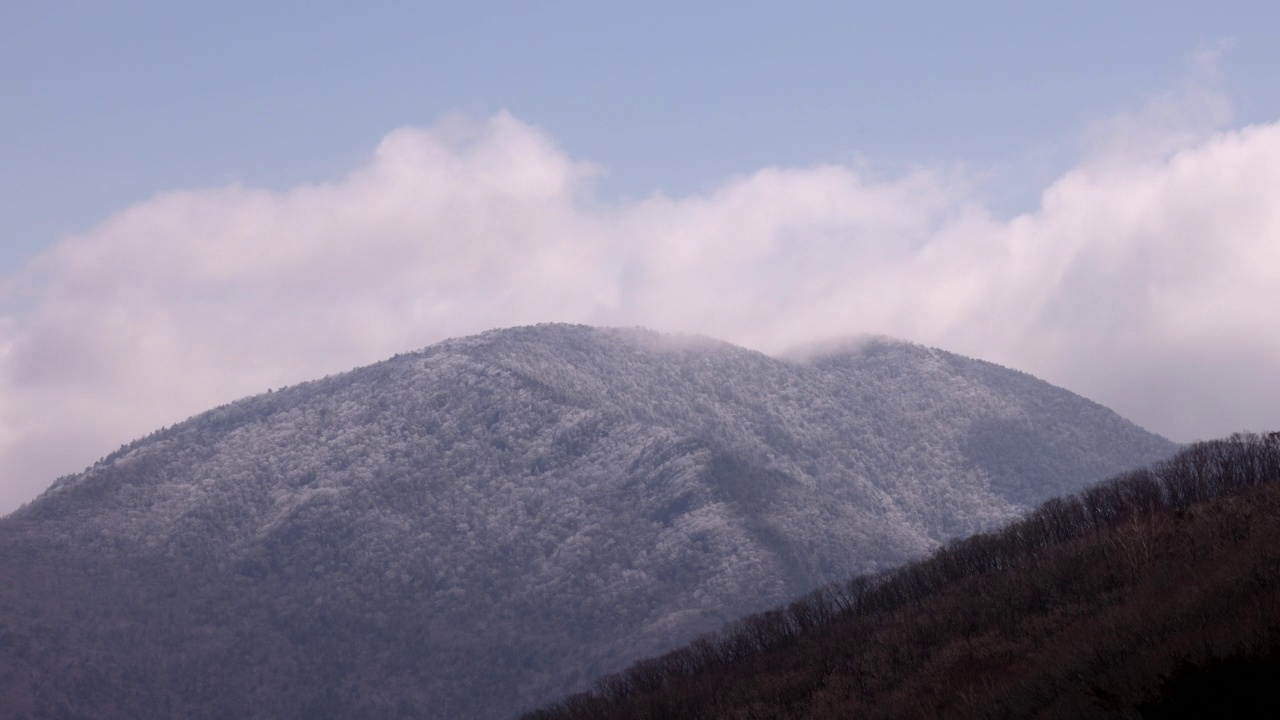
[492, 520]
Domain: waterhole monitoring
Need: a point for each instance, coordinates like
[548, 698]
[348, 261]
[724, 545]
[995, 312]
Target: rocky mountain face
[473, 529]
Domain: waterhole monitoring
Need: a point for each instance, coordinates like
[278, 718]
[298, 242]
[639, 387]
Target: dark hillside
[1155, 594]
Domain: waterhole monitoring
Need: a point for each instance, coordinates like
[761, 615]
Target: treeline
[1082, 555]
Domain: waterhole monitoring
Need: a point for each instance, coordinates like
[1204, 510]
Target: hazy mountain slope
[496, 520]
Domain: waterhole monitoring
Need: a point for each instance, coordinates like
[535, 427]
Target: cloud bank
[1147, 279]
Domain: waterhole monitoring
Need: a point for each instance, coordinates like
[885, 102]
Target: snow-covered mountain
[491, 522]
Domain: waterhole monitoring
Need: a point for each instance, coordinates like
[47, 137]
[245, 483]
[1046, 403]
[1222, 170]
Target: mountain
[494, 521]
[1155, 594]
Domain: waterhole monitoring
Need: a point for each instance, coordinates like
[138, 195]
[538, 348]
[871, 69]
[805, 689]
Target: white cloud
[1146, 281]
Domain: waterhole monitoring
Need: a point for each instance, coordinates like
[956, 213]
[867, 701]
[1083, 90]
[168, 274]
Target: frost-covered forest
[492, 522]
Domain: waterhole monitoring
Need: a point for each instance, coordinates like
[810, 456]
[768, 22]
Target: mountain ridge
[470, 514]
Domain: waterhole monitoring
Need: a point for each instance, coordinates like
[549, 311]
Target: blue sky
[109, 103]
[201, 201]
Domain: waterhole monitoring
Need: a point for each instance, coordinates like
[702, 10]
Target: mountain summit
[492, 522]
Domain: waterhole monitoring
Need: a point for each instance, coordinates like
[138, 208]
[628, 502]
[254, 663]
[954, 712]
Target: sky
[201, 203]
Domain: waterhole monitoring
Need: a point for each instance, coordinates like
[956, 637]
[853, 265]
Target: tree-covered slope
[493, 521]
[1155, 594]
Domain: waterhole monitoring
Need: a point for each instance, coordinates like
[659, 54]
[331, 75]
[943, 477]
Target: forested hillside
[1155, 594]
[495, 521]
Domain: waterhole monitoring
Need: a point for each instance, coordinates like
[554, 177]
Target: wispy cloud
[1146, 279]
[1173, 118]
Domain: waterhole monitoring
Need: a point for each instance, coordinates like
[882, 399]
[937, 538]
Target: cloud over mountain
[1146, 280]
